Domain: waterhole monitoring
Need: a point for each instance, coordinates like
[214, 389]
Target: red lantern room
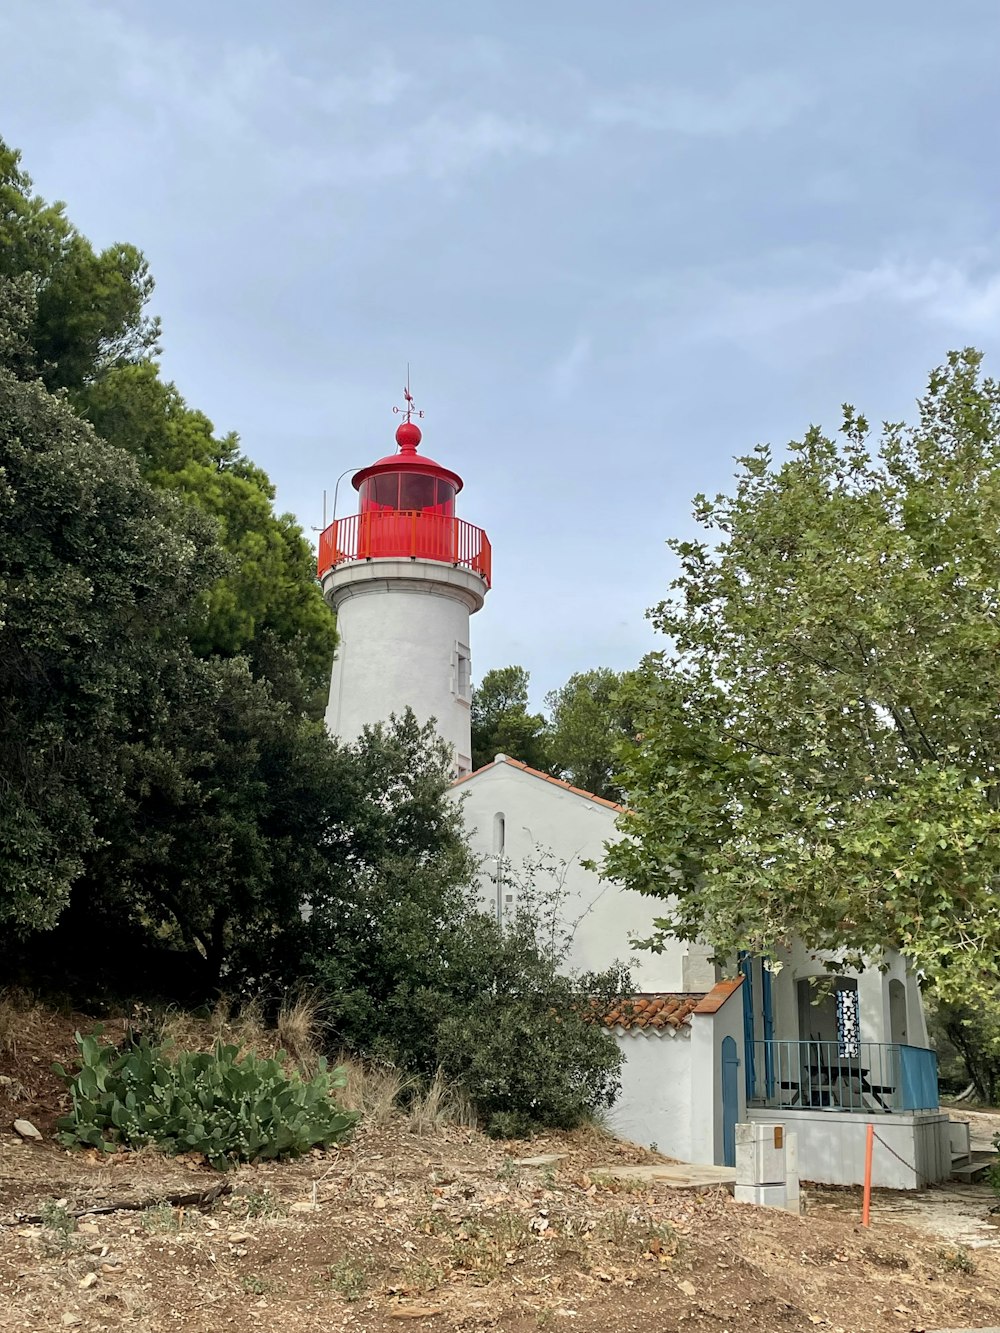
[407, 510]
[407, 482]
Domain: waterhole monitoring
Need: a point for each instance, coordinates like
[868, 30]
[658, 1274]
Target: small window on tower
[463, 672]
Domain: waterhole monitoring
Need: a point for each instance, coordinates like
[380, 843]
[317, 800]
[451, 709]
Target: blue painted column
[768, 1012]
[746, 967]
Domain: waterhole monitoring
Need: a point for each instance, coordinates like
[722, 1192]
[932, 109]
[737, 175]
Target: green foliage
[77, 318]
[161, 636]
[956, 1259]
[524, 1044]
[253, 1285]
[60, 1226]
[229, 1107]
[259, 1202]
[972, 1033]
[413, 972]
[98, 575]
[820, 753]
[161, 1219]
[220, 830]
[270, 592]
[87, 312]
[348, 1278]
[501, 723]
[590, 725]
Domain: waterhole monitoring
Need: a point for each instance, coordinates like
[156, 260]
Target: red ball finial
[408, 436]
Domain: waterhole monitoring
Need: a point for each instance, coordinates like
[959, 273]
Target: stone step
[678, 1175]
[975, 1168]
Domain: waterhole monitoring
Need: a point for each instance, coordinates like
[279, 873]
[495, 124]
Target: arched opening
[818, 1007]
[897, 1012]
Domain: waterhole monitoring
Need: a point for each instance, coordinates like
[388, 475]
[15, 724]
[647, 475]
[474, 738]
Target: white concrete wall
[798, 963]
[708, 1031]
[657, 1101]
[540, 815]
[400, 624]
[832, 1146]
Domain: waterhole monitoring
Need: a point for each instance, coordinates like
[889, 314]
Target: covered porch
[852, 1076]
[828, 1096]
[828, 1055]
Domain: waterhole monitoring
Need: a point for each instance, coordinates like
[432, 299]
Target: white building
[704, 1047]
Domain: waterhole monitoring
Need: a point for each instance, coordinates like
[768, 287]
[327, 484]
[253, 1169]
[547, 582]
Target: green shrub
[229, 1108]
[525, 1047]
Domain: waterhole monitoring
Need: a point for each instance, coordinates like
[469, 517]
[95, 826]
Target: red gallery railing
[403, 533]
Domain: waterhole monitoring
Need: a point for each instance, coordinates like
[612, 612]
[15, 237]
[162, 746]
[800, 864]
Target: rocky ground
[439, 1230]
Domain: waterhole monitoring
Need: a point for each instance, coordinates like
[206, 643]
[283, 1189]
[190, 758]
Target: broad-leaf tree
[270, 591]
[820, 752]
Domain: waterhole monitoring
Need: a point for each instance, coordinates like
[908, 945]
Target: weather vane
[409, 410]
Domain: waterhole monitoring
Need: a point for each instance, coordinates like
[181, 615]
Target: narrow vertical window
[499, 879]
[463, 672]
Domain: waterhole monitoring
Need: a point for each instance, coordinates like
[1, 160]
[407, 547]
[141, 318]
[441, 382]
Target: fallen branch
[195, 1199]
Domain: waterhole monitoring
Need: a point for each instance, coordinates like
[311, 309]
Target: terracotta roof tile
[718, 996]
[546, 777]
[665, 1010]
[653, 1011]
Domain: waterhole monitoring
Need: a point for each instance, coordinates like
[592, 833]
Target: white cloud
[758, 103]
[966, 297]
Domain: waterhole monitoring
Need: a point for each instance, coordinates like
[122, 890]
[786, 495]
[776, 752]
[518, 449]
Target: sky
[617, 244]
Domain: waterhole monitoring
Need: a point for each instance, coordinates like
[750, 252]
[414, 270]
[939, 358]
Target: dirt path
[955, 1213]
[984, 1124]
[447, 1231]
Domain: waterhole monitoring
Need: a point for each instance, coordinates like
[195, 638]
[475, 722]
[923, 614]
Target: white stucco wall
[656, 1104]
[832, 1146]
[401, 626]
[708, 1031]
[539, 815]
[799, 963]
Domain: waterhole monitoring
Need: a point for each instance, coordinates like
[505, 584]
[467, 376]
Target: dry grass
[372, 1090]
[443, 1103]
[19, 1013]
[300, 1028]
[380, 1092]
[297, 1029]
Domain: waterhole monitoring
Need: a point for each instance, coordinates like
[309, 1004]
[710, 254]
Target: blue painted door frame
[746, 967]
[767, 1011]
[749, 1031]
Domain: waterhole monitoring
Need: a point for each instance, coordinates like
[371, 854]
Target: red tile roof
[546, 777]
[669, 1011]
[718, 996]
[653, 1011]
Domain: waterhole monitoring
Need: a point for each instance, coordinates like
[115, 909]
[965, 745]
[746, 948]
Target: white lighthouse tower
[404, 575]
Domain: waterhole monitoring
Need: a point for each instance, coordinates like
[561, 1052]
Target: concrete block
[764, 1196]
[760, 1154]
[793, 1198]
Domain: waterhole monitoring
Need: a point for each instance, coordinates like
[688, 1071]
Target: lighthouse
[404, 574]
